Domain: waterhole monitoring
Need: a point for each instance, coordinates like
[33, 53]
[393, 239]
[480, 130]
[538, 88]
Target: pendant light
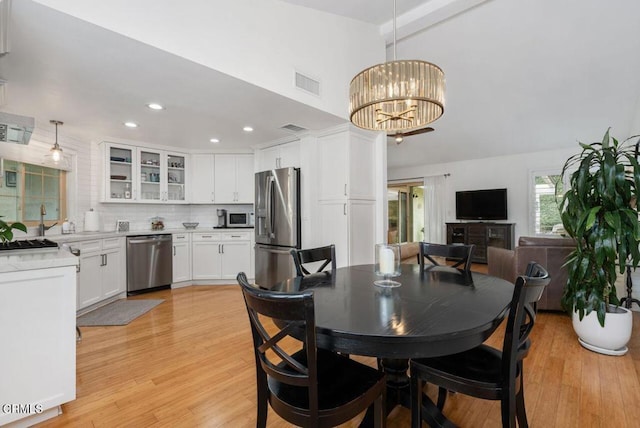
[56, 150]
[397, 96]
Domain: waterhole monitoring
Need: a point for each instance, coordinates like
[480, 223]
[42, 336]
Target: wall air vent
[307, 84]
[293, 128]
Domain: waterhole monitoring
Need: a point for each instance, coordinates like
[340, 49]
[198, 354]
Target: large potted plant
[599, 211]
[6, 230]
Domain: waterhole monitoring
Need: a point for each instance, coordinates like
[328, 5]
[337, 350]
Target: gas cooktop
[28, 244]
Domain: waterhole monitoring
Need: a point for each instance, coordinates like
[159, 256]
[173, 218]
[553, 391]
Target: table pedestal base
[398, 393]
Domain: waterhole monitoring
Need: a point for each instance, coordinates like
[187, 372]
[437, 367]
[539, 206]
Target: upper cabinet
[135, 174]
[144, 175]
[281, 156]
[162, 176]
[347, 169]
[202, 178]
[233, 179]
[119, 173]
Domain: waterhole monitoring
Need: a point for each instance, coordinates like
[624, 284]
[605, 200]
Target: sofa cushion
[409, 251]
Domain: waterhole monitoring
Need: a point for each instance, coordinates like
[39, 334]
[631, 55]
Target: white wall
[511, 172]
[245, 38]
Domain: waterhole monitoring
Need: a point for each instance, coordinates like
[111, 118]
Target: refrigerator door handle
[272, 250]
[270, 207]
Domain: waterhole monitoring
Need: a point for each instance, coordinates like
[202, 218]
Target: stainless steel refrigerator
[277, 224]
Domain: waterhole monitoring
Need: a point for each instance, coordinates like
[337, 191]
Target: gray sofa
[550, 252]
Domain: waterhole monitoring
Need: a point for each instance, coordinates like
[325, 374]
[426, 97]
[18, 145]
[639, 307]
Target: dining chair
[460, 254]
[327, 255]
[310, 387]
[486, 372]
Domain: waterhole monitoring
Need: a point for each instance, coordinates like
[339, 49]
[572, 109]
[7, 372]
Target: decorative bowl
[190, 225]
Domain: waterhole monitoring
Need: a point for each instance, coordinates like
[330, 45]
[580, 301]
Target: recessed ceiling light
[155, 106]
[131, 124]
[247, 129]
[214, 140]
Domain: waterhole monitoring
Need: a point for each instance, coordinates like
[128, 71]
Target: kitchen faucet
[41, 227]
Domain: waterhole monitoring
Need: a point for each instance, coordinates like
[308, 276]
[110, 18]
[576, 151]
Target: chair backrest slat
[289, 312]
[321, 254]
[520, 321]
[461, 254]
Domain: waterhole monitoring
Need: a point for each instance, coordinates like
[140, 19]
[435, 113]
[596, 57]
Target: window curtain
[435, 203]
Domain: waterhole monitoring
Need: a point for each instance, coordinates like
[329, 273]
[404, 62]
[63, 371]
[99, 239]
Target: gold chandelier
[397, 96]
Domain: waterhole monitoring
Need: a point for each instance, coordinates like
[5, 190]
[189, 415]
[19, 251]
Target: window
[26, 187]
[545, 213]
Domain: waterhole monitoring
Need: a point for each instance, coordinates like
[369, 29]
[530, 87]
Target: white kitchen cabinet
[38, 357]
[143, 175]
[206, 256]
[234, 179]
[102, 270]
[119, 174]
[181, 257]
[220, 255]
[346, 167]
[280, 156]
[350, 225]
[202, 178]
[162, 176]
[236, 257]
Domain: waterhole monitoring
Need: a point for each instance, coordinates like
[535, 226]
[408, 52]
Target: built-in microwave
[237, 219]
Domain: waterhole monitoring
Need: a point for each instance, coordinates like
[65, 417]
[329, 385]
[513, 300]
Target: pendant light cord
[394, 30]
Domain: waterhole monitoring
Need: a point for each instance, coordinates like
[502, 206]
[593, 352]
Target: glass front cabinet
[142, 175]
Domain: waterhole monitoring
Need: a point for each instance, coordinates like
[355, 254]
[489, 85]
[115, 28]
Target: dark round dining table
[435, 312]
[432, 313]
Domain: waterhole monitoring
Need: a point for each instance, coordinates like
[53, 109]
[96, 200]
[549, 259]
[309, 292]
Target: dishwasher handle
[149, 240]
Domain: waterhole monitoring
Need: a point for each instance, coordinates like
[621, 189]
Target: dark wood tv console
[482, 235]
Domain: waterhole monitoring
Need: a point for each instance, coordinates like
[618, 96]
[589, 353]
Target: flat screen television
[488, 204]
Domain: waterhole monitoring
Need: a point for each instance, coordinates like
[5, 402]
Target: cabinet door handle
[219, 249]
[206, 236]
[106, 259]
[344, 209]
[78, 266]
[174, 250]
[236, 236]
[222, 246]
[213, 196]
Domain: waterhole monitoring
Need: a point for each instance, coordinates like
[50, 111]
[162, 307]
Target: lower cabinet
[181, 257]
[102, 270]
[220, 255]
[38, 357]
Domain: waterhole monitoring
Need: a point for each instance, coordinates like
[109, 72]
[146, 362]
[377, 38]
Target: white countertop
[84, 236]
[20, 260]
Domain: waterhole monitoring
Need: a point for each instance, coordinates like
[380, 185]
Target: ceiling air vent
[307, 84]
[293, 128]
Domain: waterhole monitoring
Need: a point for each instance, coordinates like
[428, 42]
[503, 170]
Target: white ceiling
[60, 67]
[521, 76]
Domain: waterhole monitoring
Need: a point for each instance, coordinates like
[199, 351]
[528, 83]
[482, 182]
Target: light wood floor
[189, 363]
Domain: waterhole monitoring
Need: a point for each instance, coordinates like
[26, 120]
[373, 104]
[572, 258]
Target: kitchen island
[38, 319]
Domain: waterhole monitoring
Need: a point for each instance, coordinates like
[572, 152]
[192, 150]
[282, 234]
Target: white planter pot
[611, 339]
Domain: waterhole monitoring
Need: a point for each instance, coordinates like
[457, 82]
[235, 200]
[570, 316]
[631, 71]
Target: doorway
[406, 212]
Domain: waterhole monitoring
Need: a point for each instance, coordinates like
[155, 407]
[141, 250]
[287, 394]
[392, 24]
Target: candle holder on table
[387, 264]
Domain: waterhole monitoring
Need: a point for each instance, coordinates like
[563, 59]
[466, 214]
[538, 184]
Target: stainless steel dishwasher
[149, 262]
